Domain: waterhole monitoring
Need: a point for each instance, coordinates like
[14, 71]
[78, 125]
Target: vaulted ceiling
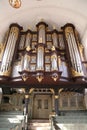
[53, 12]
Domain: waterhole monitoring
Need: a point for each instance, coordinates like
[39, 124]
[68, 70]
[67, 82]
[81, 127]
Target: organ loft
[47, 65]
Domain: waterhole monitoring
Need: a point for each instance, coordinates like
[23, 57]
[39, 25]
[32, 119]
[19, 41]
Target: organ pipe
[76, 66]
[28, 41]
[9, 50]
[40, 47]
[40, 58]
[55, 39]
[54, 60]
[26, 62]
[41, 28]
[61, 41]
[41, 38]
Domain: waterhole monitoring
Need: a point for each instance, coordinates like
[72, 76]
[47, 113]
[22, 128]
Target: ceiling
[53, 12]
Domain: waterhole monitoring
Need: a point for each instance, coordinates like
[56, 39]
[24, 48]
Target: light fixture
[15, 3]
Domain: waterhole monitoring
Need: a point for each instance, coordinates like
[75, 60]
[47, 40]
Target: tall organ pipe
[73, 50]
[14, 32]
[54, 61]
[55, 38]
[41, 28]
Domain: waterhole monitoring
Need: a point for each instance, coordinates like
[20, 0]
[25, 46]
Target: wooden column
[26, 108]
[56, 105]
[56, 102]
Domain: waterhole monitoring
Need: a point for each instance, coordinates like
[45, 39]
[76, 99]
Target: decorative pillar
[26, 109]
[77, 101]
[56, 105]
[56, 101]
[53, 102]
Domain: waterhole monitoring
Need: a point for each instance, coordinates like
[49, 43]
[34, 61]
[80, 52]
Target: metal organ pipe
[54, 63]
[26, 62]
[61, 41]
[28, 40]
[72, 55]
[79, 66]
[41, 37]
[40, 46]
[9, 50]
[40, 58]
[73, 51]
[55, 39]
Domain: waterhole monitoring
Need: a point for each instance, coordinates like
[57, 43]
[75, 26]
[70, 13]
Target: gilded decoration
[39, 78]
[6, 73]
[24, 77]
[14, 30]
[26, 96]
[67, 31]
[53, 48]
[41, 27]
[2, 48]
[52, 90]
[56, 96]
[31, 90]
[54, 56]
[75, 73]
[28, 48]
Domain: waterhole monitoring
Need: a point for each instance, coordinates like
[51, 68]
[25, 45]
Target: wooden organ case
[43, 57]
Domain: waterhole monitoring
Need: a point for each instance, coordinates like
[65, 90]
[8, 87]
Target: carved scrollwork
[76, 74]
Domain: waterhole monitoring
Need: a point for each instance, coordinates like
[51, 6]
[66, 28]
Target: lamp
[15, 3]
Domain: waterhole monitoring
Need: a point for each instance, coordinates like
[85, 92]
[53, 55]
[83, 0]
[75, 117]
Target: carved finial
[24, 77]
[29, 27]
[28, 48]
[54, 27]
[31, 90]
[60, 90]
[42, 20]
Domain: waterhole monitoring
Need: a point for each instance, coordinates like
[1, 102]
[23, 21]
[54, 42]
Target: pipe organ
[42, 53]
